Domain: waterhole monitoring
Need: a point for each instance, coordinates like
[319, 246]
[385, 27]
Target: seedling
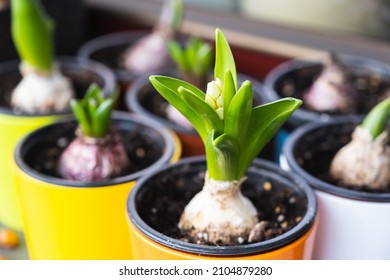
[97, 153]
[365, 161]
[149, 54]
[43, 88]
[194, 61]
[233, 133]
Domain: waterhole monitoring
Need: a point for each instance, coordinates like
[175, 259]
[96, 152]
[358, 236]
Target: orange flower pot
[66, 219]
[150, 242]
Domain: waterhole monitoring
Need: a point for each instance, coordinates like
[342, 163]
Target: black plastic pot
[82, 73]
[292, 78]
[143, 99]
[162, 186]
[66, 219]
[353, 223]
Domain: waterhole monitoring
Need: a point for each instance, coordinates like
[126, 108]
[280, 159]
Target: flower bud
[214, 96]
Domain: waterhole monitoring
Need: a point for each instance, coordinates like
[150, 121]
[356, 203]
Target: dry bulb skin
[94, 159]
[331, 91]
[219, 214]
[40, 92]
[364, 162]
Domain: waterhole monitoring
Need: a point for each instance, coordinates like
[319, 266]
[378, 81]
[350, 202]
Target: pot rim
[294, 138]
[110, 40]
[298, 63]
[69, 62]
[168, 152]
[248, 249]
[132, 99]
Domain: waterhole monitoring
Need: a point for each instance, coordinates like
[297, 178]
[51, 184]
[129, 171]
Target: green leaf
[376, 120]
[102, 118]
[173, 84]
[222, 157]
[204, 110]
[168, 88]
[190, 53]
[224, 58]
[32, 33]
[203, 60]
[229, 90]
[93, 92]
[91, 107]
[239, 112]
[177, 55]
[176, 14]
[81, 116]
[264, 122]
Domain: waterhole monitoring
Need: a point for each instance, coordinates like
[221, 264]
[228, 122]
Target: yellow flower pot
[153, 238]
[13, 126]
[66, 219]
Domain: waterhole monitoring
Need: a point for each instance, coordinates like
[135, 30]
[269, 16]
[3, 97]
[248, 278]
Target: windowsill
[253, 35]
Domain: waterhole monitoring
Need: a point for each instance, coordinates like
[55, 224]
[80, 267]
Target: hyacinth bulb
[89, 159]
[149, 54]
[332, 91]
[365, 161]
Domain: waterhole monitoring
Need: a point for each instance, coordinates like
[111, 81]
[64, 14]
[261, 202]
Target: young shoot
[233, 133]
[365, 161]
[149, 54]
[97, 153]
[43, 88]
[194, 62]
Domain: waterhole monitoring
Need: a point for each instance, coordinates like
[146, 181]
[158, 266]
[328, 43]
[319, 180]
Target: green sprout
[232, 130]
[376, 120]
[93, 112]
[32, 33]
[194, 59]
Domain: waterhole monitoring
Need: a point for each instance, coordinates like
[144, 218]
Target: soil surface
[139, 142]
[279, 208]
[371, 87]
[316, 151]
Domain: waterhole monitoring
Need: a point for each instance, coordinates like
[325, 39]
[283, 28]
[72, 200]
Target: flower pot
[14, 126]
[163, 192]
[294, 77]
[354, 223]
[143, 99]
[67, 219]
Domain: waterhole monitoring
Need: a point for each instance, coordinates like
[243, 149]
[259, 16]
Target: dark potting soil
[81, 80]
[315, 152]
[279, 207]
[370, 87]
[139, 142]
